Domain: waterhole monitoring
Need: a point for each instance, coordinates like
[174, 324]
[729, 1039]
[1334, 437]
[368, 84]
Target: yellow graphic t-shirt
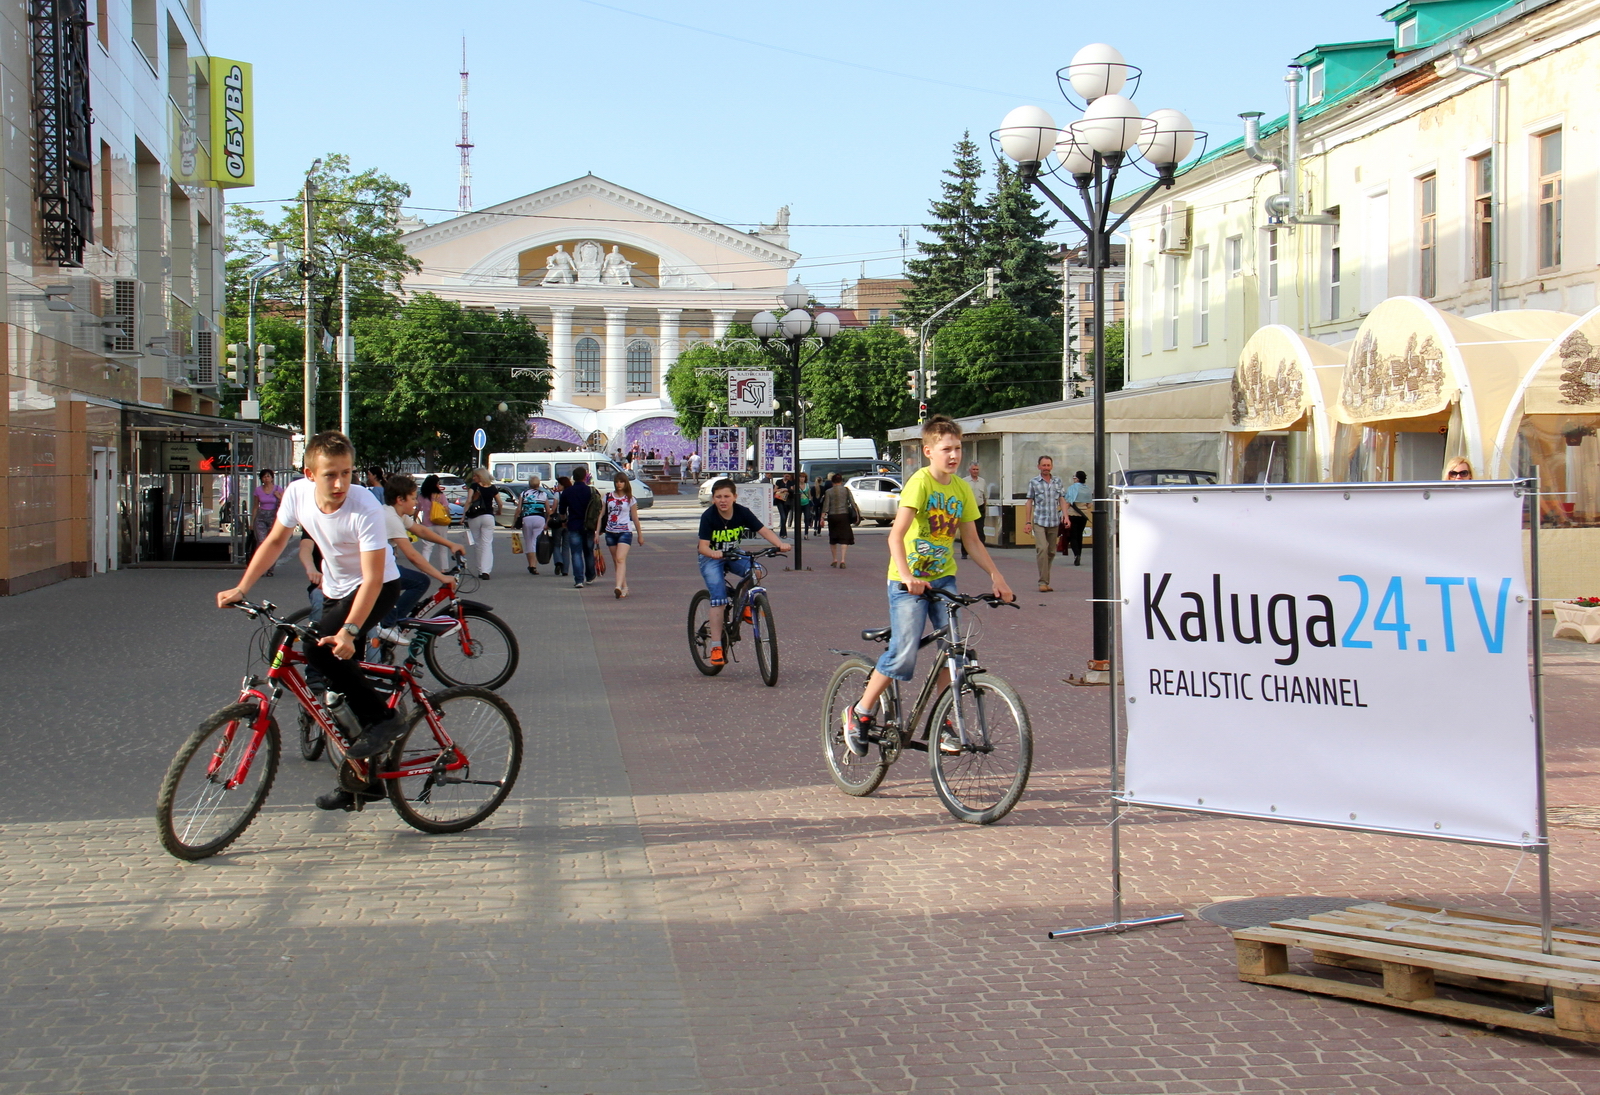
[941, 507]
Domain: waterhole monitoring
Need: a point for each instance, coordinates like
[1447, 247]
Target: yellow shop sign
[233, 159]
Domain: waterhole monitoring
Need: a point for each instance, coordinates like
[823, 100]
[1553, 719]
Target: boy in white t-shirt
[359, 584]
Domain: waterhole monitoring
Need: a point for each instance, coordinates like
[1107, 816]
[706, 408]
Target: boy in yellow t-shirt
[936, 506]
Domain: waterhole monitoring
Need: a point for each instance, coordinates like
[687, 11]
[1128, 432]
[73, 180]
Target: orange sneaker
[749, 615]
[717, 657]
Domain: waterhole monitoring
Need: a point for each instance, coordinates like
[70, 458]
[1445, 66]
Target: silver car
[877, 496]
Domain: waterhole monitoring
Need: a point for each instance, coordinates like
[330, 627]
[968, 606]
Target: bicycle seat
[438, 625]
[876, 634]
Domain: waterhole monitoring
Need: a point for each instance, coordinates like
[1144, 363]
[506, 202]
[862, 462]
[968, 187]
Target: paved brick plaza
[676, 898]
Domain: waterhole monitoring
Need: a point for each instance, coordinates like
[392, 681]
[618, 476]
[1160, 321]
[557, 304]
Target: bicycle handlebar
[966, 600]
[266, 608]
[738, 553]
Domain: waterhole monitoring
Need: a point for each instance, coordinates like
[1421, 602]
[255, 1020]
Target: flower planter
[1577, 622]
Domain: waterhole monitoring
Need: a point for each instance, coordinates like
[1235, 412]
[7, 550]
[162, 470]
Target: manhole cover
[1255, 911]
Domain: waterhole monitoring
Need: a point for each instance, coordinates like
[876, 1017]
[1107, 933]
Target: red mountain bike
[437, 781]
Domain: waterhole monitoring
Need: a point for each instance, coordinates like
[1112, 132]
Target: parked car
[514, 468]
[877, 497]
[737, 477]
[455, 489]
[1163, 477]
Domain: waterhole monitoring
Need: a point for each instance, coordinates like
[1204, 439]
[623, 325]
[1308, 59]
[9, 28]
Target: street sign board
[479, 438]
[750, 393]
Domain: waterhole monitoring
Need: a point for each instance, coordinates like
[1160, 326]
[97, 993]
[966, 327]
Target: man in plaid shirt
[1045, 496]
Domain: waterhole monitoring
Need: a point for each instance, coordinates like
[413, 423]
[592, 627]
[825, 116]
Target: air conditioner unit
[1177, 223]
[203, 372]
[121, 314]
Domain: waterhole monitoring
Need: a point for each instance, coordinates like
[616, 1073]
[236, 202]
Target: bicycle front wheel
[851, 774]
[983, 781]
[705, 626]
[469, 779]
[765, 635]
[482, 654]
[197, 813]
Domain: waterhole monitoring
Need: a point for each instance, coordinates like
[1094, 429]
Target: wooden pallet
[1417, 947]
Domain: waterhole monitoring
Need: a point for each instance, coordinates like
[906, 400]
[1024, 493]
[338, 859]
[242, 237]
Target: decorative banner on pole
[777, 449]
[750, 393]
[1343, 655]
[724, 450]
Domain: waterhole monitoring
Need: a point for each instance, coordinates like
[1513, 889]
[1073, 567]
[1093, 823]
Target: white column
[668, 327]
[616, 383]
[720, 320]
[561, 353]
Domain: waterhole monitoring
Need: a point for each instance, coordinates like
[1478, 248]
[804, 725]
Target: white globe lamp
[1097, 70]
[827, 325]
[1027, 134]
[795, 296]
[764, 324]
[796, 323]
[1111, 124]
[1168, 137]
[1075, 159]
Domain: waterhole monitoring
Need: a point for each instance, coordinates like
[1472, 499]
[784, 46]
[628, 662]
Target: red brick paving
[832, 945]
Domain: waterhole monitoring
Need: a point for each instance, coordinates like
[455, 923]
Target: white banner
[749, 393]
[1345, 656]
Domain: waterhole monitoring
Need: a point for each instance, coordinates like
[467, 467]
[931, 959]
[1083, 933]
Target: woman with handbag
[433, 511]
[483, 503]
[536, 503]
[840, 506]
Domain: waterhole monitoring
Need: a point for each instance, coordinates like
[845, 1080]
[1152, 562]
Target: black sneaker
[376, 738]
[340, 799]
[856, 726]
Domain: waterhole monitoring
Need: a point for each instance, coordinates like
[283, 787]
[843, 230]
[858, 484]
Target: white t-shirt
[342, 535]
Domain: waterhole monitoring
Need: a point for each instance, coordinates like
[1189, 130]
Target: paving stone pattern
[676, 899]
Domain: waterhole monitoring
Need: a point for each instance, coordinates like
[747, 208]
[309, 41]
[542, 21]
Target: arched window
[586, 364]
[640, 381]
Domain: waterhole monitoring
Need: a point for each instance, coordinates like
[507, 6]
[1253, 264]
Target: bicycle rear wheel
[764, 633]
[704, 627]
[197, 814]
[484, 655]
[481, 727]
[312, 743]
[982, 782]
[851, 774]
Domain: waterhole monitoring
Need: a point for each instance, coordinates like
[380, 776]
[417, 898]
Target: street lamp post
[793, 327]
[308, 359]
[1109, 138]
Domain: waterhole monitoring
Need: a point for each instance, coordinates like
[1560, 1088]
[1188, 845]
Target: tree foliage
[951, 263]
[1013, 241]
[1116, 333]
[995, 358]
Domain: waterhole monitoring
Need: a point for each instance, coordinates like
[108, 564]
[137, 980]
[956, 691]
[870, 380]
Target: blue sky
[724, 128]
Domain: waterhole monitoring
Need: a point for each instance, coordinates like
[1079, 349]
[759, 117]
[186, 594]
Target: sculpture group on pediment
[588, 265]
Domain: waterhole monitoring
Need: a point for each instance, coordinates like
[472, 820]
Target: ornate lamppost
[1111, 137]
[792, 328]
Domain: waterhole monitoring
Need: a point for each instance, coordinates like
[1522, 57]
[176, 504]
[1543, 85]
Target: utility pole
[308, 358]
[346, 348]
[464, 199]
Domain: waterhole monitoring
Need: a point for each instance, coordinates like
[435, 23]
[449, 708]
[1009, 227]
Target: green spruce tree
[1014, 242]
[950, 262]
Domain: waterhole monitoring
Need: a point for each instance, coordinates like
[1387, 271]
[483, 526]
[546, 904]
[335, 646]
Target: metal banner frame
[1528, 489]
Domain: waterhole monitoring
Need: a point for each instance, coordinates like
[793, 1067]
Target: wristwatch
[350, 629]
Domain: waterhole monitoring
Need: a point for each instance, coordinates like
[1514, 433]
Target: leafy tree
[859, 382]
[1013, 240]
[951, 263]
[697, 382]
[1116, 333]
[995, 358]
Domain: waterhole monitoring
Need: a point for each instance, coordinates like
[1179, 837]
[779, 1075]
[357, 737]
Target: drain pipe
[1496, 189]
[1279, 205]
[1295, 75]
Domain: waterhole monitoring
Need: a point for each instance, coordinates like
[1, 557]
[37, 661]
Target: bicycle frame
[962, 665]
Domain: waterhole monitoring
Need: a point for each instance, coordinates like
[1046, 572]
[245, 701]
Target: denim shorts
[712, 571]
[615, 538]
[908, 615]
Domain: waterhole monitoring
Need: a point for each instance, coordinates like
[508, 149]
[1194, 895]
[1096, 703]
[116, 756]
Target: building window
[1174, 301]
[1481, 172]
[1549, 200]
[873, 315]
[639, 368]
[1428, 235]
[1335, 273]
[1116, 291]
[1147, 305]
[1270, 283]
[1202, 295]
[586, 366]
[1405, 34]
[1316, 83]
[1233, 256]
[102, 22]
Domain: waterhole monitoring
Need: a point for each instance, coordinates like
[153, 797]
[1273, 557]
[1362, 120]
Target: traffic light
[236, 351]
[922, 411]
[991, 282]
[911, 382]
[931, 387]
[264, 362]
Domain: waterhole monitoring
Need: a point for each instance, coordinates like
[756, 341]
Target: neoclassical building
[619, 282]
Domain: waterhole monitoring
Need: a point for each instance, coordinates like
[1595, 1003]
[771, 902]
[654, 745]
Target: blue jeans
[413, 584]
[713, 572]
[580, 549]
[908, 615]
[558, 547]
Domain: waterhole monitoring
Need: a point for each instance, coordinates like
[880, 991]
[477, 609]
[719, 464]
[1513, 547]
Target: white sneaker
[392, 635]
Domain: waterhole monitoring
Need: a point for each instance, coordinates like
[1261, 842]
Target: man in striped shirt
[1045, 496]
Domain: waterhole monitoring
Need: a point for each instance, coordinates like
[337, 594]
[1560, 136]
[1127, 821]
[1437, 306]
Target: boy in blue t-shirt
[935, 507]
[724, 524]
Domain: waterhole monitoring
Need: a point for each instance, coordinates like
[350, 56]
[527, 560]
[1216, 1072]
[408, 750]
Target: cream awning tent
[1285, 381]
[1563, 380]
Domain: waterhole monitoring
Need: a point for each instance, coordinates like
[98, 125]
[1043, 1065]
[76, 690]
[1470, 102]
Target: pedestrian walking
[819, 487]
[534, 513]
[556, 523]
[980, 491]
[401, 527]
[574, 506]
[782, 490]
[694, 466]
[266, 495]
[375, 483]
[483, 503]
[433, 510]
[1078, 501]
[1045, 496]
[622, 531]
[842, 517]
